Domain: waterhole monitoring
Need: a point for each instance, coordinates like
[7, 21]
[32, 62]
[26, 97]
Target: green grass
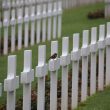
[74, 20]
[100, 101]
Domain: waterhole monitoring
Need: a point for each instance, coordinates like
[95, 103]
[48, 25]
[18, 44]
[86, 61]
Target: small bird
[53, 56]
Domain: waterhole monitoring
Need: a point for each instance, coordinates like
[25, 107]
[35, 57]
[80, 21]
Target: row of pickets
[107, 8]
[94, 49]
[73, 3]
[66, 3]
[26, 25]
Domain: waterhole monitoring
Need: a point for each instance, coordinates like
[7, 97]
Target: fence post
[108, 55]
[84, 54]
[54, 20]
[13, 27]
[44, 16]
[41, 72]
[33, 17]
[59, 18]
[64, 62]
[11, 83]
[0, 89]
[27, 76]
[54, 65]
[75, 57]
[49, 20]
[6, 25]
[101, 46]
[26, 25]
[93, 51]
[20, 22]
[38, 26]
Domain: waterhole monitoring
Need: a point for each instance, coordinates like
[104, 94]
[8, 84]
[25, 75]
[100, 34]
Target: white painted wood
[59, 18]
[11, 83]
[55, 21]
[44, 23]
[101, 46]
[49, 21]
[107, 8]
[93, 50]
[64, 91]
[27, 76]
[75, 70]
[107, 82]
[6, 25]
[13, 27]
[26, 27]
[84, 53]
[53, 68]
[38, 26]
[41, 77]
[32, 25]
[20, 21]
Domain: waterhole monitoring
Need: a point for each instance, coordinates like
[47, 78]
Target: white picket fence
[29, 19]
[92, 50]
[73, 3]
[107, 8]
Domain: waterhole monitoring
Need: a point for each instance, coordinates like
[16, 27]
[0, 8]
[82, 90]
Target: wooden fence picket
[41, 72]
[107, 43]
[13, 30]
[93, 51]
[49, 21]
[75, 57]
[101, 47]
[84, 54]
[54, 20]
[54, 65]
[11, 83]
[27, 76]
[64, 62]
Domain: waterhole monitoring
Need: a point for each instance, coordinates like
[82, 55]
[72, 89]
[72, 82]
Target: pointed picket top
[54, 47]
[108, 29]
[11, 67]
[75, 42]
[101, 32]
[65, 46]
[85, 38]
[93, 35]
[27, 60]
[41, 55]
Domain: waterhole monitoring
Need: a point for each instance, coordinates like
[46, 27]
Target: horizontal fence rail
[24, 23]
[93, 53]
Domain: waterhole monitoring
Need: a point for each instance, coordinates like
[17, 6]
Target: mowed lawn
[74, 20]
